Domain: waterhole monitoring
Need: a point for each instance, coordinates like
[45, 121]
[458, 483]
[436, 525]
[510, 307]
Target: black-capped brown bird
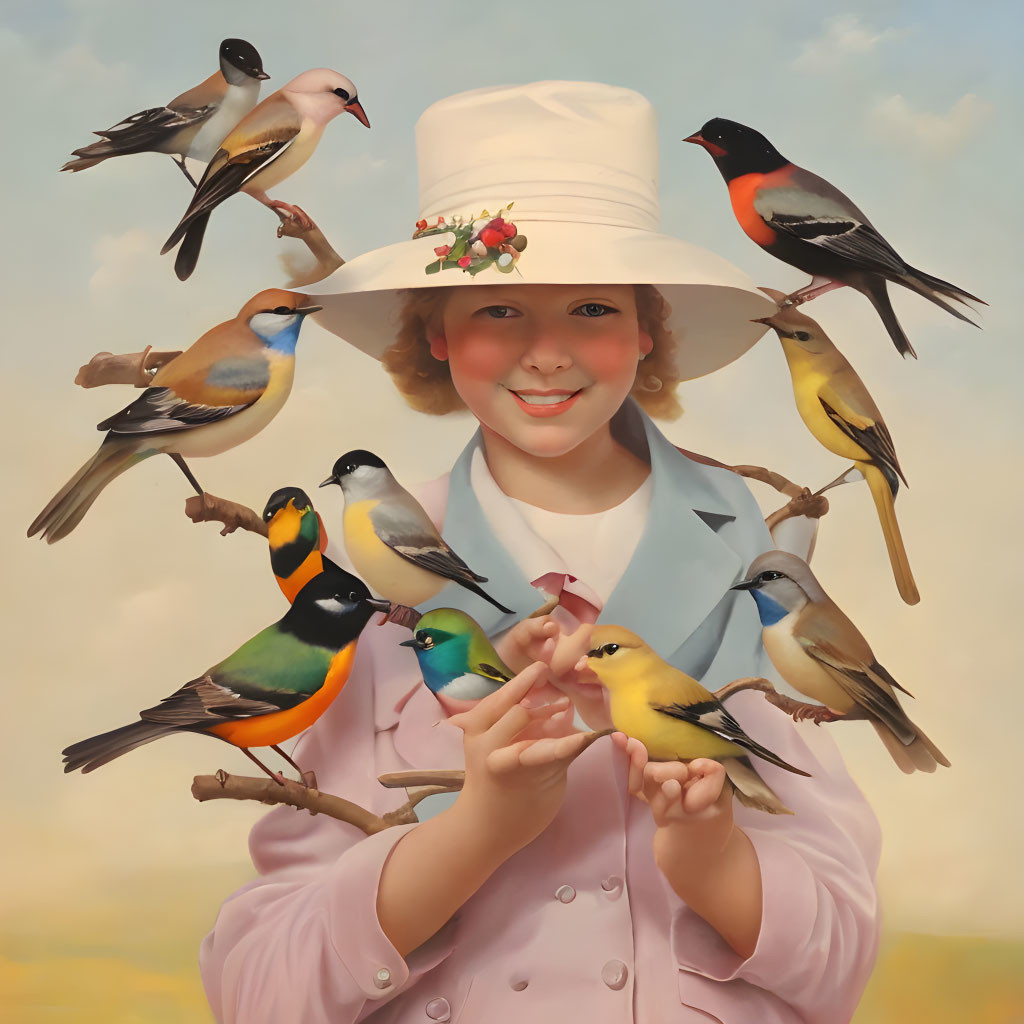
[809, 224]
[193, 124]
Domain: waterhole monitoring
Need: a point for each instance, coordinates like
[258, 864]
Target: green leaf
[433, 268]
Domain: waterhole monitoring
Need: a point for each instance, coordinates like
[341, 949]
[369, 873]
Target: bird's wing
[488, 671]
[848, 660]
[863, 425]
[261, 137]
[810, 209]
[149, 127]
[406, 529]
[204, 701]
[207, 95]
[160, 411]
[712, 716]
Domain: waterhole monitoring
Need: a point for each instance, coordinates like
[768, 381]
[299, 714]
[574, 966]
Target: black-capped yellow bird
[675, 717]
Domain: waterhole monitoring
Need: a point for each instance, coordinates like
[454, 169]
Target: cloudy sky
[906, 106]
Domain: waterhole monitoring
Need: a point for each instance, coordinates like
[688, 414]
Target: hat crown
[561, 151]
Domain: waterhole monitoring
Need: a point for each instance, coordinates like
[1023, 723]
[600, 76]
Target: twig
[211, 509]
[327, 260]
[799, 711]
[136, 368]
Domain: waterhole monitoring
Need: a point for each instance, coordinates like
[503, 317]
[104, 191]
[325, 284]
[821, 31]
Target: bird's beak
[595, 653]
[355, 108]
[306, 310]
[379, 604]
[698, 140]
[261, 75]
[745, 585]
[330, 480]
[412, 643]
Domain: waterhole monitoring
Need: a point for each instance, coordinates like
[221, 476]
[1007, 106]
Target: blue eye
[593, 309]
[499, 312]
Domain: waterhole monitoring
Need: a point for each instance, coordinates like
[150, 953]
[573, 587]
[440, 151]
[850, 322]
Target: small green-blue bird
[456, 657]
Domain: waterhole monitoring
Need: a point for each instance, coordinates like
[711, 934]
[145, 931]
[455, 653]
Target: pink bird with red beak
[268, 145]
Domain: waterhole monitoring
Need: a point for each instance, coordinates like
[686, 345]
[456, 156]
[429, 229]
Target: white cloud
[844, 36]
[118, 258]
[892, 119]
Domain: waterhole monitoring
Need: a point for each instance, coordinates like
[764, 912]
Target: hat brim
[712, 302]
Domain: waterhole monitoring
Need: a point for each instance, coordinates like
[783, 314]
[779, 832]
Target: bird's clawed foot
[309, 780]
[818, 286]
[801, 712]
[292, 218]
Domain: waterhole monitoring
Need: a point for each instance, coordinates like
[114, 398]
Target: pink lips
[548, 409]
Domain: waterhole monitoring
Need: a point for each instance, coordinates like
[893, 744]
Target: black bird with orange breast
[808, 223]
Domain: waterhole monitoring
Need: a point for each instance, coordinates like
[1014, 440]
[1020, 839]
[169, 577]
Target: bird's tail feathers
[68, 506]
[98, 750]
[874, 288]
[886, 510]
[932, 287]
[191, 243]
[921, 755]
[751, 790]
[480, 592]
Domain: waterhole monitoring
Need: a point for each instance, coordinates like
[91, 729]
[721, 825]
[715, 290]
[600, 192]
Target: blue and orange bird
[808, 223]
[274, 686]
[297, 540]
[218, 394]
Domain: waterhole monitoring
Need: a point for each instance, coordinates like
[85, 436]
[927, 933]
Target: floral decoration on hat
[480, 242]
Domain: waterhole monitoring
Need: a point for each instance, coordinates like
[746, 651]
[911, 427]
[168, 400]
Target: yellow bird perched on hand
[837, 409]
[675, 717]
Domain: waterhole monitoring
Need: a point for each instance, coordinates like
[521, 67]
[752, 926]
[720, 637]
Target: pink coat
[579, 925]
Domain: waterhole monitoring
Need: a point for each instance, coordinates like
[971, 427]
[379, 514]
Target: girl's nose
[546, 354]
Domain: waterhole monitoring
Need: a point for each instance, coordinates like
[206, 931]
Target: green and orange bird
[219, 393]
[274, 686]
[297, 540]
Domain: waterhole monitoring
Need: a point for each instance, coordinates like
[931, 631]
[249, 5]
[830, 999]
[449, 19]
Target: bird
[837, 409]
[390, 539]
[823, 655]
[808, 223]
[193, 124]
[675, 717]
[456, 657]
[270, 143]
[275, 685]
[297, 539]
[217, 394]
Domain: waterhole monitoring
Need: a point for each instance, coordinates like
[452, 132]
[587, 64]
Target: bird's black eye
[771, 574]
[425, 639]
[342, 94]
[801, 336]
[282, 310]
[609, 648]
[268, 515]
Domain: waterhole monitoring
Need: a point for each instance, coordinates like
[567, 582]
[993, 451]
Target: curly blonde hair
[426, 383]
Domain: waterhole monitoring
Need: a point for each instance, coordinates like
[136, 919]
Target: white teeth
[542, 399]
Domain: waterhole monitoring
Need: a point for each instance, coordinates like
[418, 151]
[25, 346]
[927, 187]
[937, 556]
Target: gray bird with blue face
[823, 655]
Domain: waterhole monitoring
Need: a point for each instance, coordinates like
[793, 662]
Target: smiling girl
[564, 879]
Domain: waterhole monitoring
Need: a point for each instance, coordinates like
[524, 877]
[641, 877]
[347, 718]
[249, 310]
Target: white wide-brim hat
[577, 162]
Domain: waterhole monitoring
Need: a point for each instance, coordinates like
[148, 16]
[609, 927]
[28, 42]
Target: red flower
[440, 220]
[509, 229]
[465, 262]
[420, 225]
[492, 236]
[442, 251]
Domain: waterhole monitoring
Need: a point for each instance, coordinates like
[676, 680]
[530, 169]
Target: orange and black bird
[297, 540]
[809, 224]
[274, 686]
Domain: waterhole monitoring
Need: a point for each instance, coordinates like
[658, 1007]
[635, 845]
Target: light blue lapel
[679, 548]
[468, 534]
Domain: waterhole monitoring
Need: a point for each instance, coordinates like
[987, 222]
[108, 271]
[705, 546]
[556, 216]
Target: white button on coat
[382, 979]
[439, 1009]
[612, 885]
[565, 894]
[614, 974]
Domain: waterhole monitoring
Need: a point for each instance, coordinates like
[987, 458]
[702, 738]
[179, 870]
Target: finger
[666, 802]
[494, 706]
[637, 764]
[620, 739]
[509, 726]
[552, 750]
[704, 787]
[658, 773]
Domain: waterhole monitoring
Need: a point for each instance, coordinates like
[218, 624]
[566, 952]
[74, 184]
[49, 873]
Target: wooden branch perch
[136, 368]
[211, 509]
[798, 710]
[327, 260]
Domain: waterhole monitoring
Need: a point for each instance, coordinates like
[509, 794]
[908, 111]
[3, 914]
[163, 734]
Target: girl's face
[544, 366]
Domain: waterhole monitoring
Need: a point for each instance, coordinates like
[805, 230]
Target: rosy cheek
[479, 360]
[608, 359]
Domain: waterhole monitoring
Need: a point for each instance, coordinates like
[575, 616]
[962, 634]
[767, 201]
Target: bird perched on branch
[811, 225]
[456, 656]
[297, 539]
[390, 539]
[271, 688]
[217, 394]
[268, 145]
[823, 655]
[837, 409]
[675, 717]
[193, 124]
